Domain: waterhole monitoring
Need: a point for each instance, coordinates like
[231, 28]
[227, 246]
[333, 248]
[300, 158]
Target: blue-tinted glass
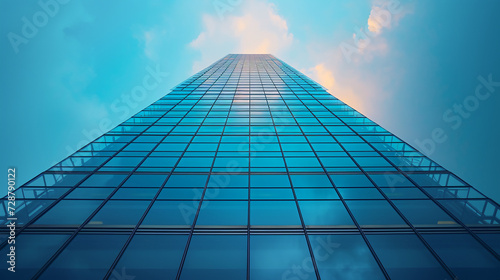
[358, 180]
[395, 193]
[145, 180]
[269, 181]
[473, 212]
[302, 162]
[25, 210]
[406, 257]
[267, 193]
[329, 213]
[88, 256]
[223, 213]
[191, 181]
[316, 193]
[374, 213]
[248, 140]
[43, 192]
[195, 162]
[181, 193]
[56, 180]
[453, 192]
[464, 255]
[135, 193]
[337, 161]
[424, 213]
[124, 161]
[119, 213]
[344, 257]
[152, 256]
[371, 161]
[313, 181]
[226, 193]
[32, 251]
[69, 212]
[90, 193]
[279, 256]
[228, 180]
[492, 239]
[267, 162]
[171, 214]
[104, 180]
[159, 162]
[216, 257]
[274, 213]
[391, 180]
[360, 193]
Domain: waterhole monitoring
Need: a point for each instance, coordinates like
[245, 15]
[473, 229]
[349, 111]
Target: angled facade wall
[250, 170]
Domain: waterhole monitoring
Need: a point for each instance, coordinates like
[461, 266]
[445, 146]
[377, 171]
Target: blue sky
[73, 69]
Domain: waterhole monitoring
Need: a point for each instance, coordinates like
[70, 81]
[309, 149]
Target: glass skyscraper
[250, 170]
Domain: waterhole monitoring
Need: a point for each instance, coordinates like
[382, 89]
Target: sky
[425, 70]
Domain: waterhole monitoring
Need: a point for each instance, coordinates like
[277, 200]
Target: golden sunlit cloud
[254, 27]
[323, 76]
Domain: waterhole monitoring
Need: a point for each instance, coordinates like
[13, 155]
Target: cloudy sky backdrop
[417, 68]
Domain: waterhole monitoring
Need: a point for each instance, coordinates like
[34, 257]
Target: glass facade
[250, 170]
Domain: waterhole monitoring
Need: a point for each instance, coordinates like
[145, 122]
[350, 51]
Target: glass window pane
[216, 257]
[316, 193]
[39, 192]
[356, 180]
[492, 239]
[406, 257]
[86, 257]
[104, 180]
[473, 212]
[409, 193]
[223, 213]
[26, 210]
[269, 181]
[60, 180]
[119, 213]
[276, 257]
[145, 180]
[267, 193]
[69, 213]
[34, 250]
[227, 180]
[90, 193]
[152, 256]
[360, 193]
[226, 193]
[464, 255]
[453, 192]
[274, 213]
[325, 213]
[310, 181]
[171, 214]
[135, 193]
[375, 213]
[424, 213]
[344, 257]
[391, 180]
[187, 181]
[181, 193]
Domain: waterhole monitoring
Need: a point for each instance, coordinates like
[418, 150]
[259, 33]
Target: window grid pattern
[249, 153]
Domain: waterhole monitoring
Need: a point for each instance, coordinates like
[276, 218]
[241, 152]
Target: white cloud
[255, 27]
[367, 42]
[352, 79]
[386, 14]
[152, 40]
